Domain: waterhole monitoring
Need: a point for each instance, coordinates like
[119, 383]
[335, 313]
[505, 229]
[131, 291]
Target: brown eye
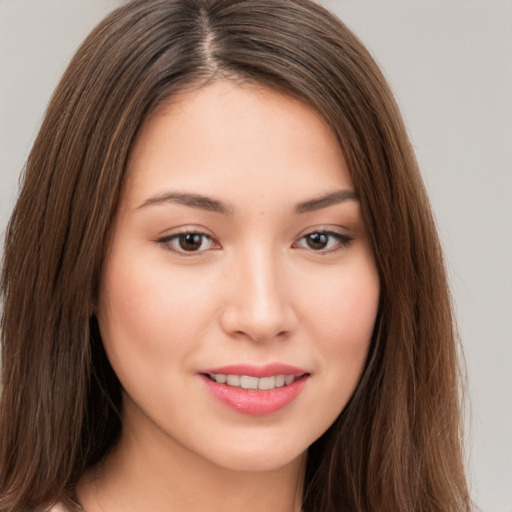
[188, 242]
[317, 241]
[324, 241]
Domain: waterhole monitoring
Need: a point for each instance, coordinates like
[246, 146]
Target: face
[240, 291]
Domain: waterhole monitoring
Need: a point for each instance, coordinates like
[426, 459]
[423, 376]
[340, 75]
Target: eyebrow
[336, 197]
[214, 205]
[192, 200]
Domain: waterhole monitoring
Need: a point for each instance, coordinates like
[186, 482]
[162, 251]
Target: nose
[258, 303]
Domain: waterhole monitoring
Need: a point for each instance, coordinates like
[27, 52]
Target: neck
[154, 472]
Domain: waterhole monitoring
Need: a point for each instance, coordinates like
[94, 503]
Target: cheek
[343, 319]
[346, 309]
[340, 319]
[146, 312]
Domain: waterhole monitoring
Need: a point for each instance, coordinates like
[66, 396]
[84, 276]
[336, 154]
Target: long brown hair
[397, 445]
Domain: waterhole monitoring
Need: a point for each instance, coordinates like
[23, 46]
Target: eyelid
[343, 238]
[165, 240]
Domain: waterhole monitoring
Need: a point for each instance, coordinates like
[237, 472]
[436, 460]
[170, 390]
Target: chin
[265, 453]
[259, 462]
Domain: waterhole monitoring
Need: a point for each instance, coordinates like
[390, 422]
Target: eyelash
[167, 242]
[342, 241]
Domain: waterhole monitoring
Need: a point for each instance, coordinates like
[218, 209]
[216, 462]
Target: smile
[251, 382]
[255, 390]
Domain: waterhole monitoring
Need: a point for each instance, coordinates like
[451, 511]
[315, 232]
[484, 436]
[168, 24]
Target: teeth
[266, 383]
[250, 382]
[247, 382]
[233, 380]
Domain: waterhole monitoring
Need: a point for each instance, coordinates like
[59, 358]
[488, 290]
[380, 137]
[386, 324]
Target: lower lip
[251, 401]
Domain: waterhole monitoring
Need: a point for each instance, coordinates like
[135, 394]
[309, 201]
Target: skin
[256, 289]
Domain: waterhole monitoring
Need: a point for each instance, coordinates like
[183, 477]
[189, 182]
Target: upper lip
[267, 370]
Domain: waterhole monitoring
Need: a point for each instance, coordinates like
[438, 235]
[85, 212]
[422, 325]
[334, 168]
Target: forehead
[230, 138]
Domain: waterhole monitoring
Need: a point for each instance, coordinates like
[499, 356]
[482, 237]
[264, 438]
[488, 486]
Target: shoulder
[59, 507]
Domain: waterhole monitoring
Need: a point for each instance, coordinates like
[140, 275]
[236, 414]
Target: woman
[222, 283]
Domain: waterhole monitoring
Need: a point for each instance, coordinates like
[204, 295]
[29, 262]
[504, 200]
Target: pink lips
[256, 402]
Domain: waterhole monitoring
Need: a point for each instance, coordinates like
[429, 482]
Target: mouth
[252, 382]
[255, 390]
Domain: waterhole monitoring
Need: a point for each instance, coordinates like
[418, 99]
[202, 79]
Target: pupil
[190, 241]
[317, 240]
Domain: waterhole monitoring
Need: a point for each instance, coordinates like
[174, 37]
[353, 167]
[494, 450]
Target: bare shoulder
[59, 507]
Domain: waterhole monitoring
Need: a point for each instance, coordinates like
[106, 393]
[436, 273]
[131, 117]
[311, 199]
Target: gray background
[449, 63]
